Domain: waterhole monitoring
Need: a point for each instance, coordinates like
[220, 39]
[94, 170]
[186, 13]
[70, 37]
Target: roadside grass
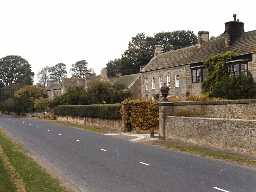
[207, 152]
[6, 185]
[34, 177]
[82, 127]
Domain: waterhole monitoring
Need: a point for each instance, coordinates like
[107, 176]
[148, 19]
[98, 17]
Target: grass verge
[6, 185]
[34, 177]
[207, 152]
[83, 127]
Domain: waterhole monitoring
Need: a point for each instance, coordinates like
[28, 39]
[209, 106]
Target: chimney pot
[233, 29]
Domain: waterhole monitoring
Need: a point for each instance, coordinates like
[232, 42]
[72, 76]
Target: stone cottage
[183, 71]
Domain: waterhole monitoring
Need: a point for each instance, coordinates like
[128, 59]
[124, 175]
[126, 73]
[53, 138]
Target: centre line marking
[60, 134]
[143, 163]
[219, 189]
[78, 140]
[103, 149]
[49, 130]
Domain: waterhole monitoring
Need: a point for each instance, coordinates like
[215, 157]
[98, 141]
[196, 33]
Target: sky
[47, 32]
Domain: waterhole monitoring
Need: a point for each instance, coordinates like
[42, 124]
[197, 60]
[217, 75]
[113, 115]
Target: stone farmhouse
[183, 71]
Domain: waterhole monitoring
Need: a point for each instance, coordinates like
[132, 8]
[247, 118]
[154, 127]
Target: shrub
[41, 104]
[221, 83]
[140, 115]
[102, 111]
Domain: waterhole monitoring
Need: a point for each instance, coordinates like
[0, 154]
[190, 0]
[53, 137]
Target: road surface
[99, 163]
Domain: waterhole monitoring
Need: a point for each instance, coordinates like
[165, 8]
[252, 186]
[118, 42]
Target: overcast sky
[46, 32]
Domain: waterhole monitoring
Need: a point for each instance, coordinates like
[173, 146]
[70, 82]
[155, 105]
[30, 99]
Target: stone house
[183, 71]
[54, 89]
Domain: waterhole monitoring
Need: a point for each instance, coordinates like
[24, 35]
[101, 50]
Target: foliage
[98, 92]
[102, 111]
[15, 70]
[9, 105]
[43, 76]
[220, 83]
[41, 104]
[141, 50]
[7, 92]
[140, 115]
[80, 70]
[24, 99]
[58, 72]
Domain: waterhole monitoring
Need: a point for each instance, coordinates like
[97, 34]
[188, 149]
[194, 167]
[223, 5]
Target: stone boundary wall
[231, 109]
[232, 134]
[111, 125]
[222, 124]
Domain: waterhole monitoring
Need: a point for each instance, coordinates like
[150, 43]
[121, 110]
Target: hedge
[102, 111]
[140, 115]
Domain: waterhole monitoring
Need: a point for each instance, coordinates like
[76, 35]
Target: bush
[221, 83]
[102, 111]
[41, 104]
[140, 115]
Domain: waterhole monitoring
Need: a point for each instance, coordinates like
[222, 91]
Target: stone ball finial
[164, 92]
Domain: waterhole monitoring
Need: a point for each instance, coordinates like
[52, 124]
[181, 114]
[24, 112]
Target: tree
[141, 50]
[221, 83]
[43, 76]
[175, 40]
[15, 70]
[80, 70]
[58, 72]
[26, 97]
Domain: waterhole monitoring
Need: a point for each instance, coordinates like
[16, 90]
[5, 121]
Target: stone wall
[223, 124]
[109, 125]
[232, 134]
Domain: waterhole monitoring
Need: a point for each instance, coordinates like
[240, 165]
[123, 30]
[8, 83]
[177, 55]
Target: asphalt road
[99, 163]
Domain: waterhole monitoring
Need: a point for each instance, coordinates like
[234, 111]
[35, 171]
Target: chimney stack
[233, 30]
[203, 37]
[158, 50]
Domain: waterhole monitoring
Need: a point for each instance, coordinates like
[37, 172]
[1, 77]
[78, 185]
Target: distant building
[131, 82]
[183, 70]
[54, 89]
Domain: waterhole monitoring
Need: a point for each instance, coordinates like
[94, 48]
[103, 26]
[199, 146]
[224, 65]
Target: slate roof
[196, 54]
[126, 80]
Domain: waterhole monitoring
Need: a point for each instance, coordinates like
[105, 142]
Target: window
[153, 83]
[160, 81]
[177, 81]
[238, 68]
[197, 75]
[168, 80]
[146, 84]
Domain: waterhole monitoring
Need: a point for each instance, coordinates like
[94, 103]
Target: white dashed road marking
[77, 140]
[49, 130]
[143, 163]
[219, 189]
[103, 149]
[60, 134]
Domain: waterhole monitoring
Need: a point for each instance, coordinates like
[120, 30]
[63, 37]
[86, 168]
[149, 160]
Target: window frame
[199, 74]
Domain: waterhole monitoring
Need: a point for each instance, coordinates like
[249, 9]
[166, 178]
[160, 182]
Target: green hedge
[102, 111]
